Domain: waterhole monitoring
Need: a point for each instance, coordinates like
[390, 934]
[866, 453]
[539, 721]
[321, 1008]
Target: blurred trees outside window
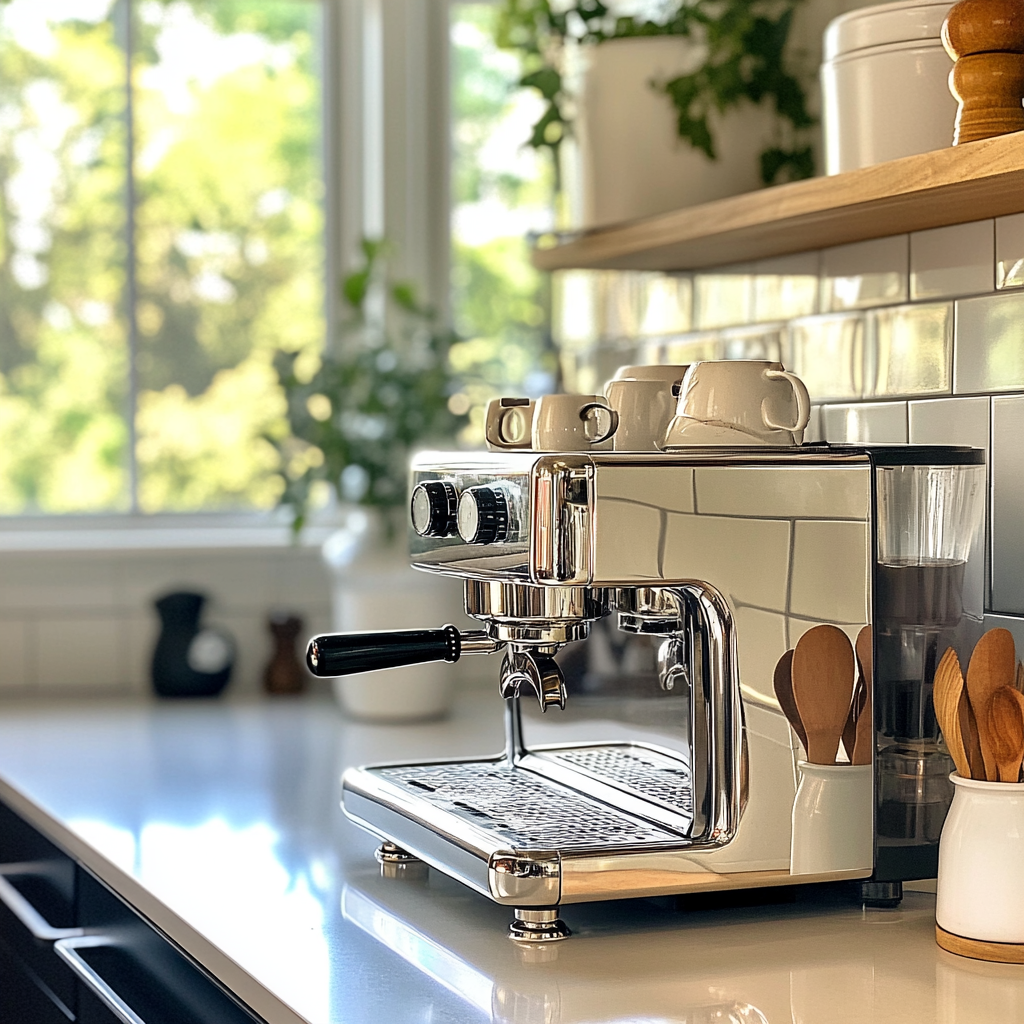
[502, 192]
[162, 234]
[228, 247]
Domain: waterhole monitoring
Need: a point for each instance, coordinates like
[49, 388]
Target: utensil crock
[980, 893]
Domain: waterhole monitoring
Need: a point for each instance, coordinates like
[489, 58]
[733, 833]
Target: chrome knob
[483, 515]
[433, 508]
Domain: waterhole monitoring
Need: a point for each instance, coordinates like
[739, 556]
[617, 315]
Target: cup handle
[613, 420]
[496, 411]
[803, 403]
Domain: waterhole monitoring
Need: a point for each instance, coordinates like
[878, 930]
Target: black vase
[189, 661]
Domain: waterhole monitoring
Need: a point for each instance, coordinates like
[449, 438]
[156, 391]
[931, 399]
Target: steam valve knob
[433, 508]
[483, 515]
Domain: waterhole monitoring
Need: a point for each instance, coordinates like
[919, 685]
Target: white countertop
[221, 823]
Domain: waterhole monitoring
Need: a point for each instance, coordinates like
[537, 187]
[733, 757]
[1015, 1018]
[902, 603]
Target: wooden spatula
[784, 692]
[823, 677]
[969, 732]
[993, 664]
[860, 695]
[1005, 720]
[1019, 684]
[949, 686]
[861, 753]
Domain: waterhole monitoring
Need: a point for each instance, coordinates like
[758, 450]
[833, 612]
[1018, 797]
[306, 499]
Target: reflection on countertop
[222, 823]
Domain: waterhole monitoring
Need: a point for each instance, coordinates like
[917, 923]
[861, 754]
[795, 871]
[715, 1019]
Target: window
[501, 193]
[161, 233]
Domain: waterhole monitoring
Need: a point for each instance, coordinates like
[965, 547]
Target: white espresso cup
[645, 409]
[739, 402]
[509, 424]
[573, 423]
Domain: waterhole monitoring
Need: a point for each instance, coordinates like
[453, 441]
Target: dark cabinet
[72, 950]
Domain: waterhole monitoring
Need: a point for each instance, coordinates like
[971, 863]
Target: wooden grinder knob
[986, 39]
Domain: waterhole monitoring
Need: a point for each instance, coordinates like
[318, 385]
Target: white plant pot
[980, 891]
[832, 819]
[632, 161]
[374, 588]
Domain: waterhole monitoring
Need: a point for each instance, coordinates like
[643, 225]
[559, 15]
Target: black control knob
[433, 508]
[483, 515]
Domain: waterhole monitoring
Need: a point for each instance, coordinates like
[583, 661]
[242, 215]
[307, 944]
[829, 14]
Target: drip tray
[595, 797]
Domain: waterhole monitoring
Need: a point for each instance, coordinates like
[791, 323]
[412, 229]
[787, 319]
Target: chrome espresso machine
[645, 606]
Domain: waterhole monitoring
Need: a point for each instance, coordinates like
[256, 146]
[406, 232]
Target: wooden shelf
[948, 186]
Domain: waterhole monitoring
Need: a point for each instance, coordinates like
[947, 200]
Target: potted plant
[700, 102]
[379, 390]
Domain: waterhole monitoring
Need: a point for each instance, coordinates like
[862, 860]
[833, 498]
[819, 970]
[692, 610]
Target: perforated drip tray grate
[523, 810]
[645, 773]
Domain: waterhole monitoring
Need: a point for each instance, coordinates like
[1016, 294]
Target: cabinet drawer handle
[20, 907]
[68, 949]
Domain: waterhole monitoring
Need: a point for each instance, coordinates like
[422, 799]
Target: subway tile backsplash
[865, 274]
[990, 343]
[913, 337]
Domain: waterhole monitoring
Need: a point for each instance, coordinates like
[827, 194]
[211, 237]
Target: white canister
[980, 891]
[884, 85]
[832, 819]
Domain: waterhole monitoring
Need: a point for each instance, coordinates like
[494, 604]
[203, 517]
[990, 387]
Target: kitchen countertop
[220, 822]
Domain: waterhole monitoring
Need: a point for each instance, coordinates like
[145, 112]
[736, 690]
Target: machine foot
[394, 861]
[537, 925]
[881, 894]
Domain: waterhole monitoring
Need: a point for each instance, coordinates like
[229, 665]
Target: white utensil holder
[979, 906]
[832, 819]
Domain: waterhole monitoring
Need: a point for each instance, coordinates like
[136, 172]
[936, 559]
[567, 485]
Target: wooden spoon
[949, 686]
[823, 689]
[860, 694]
[969, 732]
[1006, 728]
[784, 692]
[865, 732]
[865, 658]
[993, 664]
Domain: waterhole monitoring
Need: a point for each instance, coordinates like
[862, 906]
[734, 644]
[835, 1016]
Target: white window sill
[127, 533]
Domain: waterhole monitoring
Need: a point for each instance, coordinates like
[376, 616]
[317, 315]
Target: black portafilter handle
[344, 654]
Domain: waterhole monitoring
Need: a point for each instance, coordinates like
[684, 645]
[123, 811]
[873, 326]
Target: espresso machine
[639, 604]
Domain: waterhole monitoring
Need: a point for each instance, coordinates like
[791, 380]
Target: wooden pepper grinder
[986, 39]
[284, 674]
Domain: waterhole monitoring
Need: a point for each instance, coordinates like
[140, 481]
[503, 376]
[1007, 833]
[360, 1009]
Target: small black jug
[189, 661]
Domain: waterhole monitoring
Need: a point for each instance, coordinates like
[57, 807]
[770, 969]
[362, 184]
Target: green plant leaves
[745, 62]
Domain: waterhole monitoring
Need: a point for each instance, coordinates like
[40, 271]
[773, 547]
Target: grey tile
[723, 297]
[813, 431]
[951, 421]
[865, 422]
[14, 673]
[863, 274]
[988, 353]
[786, 287]
[1010, 251]
[952, 261]
[827, 353]
[759, 342]
[690, 348]
[667, 306]
[909, 350]
[1007, 526]
[80, 653]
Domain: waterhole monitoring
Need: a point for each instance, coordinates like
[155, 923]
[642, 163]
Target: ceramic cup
[832, 819]
[980, 891]
[669, 373]
[509, 424]
[573, 423]
[645, 409]
[739, 401]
